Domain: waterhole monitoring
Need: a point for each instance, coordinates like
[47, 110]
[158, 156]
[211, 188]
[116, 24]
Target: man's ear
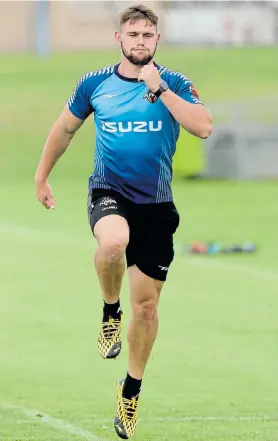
[117, 37]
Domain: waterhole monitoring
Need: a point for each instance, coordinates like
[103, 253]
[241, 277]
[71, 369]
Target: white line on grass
[217, 418]
[55, 236]
[64, 426]
[216, 263]
[188, 419]
[71, 240]
[73, 430]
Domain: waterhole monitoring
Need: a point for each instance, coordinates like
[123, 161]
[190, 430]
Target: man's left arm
[194, 118]
[184, 105]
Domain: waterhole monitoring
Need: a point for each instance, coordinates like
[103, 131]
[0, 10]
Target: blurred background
[213, 370]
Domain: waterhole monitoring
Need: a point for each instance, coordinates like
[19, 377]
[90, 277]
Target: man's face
[138, 41]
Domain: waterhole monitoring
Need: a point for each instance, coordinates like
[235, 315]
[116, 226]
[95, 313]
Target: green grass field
[213, 372]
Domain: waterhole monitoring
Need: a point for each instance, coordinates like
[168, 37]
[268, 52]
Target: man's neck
[129, 70]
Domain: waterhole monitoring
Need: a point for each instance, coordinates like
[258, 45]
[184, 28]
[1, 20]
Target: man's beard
[133, 59]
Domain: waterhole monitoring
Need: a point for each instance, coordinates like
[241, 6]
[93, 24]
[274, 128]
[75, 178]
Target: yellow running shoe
[109, 338]
[127, 414]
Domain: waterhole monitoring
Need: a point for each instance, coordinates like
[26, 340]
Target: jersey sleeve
[79, 102]
[186, 90]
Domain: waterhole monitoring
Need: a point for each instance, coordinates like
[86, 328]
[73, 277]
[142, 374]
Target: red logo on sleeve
[193, 90]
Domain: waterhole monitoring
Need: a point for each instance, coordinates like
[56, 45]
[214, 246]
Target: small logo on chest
[108, 96]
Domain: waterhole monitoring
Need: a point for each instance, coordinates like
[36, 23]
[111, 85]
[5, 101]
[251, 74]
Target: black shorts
[151, 228]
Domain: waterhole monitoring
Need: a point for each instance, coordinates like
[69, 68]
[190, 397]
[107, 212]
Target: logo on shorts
[109, 204]
[108, 201]
[163, 268]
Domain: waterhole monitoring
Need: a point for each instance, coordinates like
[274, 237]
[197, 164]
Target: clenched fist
[150, 75]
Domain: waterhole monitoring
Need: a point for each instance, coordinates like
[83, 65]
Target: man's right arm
[56, 144]
[74, 114]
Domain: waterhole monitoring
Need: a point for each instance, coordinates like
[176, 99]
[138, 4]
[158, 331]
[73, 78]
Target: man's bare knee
[114, 249]
[145, 310]
[112, 233]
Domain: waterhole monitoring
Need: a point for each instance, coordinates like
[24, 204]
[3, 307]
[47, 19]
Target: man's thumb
[51, 202]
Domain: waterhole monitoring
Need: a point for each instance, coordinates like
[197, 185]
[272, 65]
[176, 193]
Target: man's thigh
[106, 211]
[151, 239]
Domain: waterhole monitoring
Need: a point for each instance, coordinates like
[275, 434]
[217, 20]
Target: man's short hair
[138, 12]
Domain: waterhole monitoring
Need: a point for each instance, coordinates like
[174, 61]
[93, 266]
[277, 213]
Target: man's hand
[44, 194]
[150, 75]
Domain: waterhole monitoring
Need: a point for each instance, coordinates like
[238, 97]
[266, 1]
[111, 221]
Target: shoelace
[109, 327]
[131, 406]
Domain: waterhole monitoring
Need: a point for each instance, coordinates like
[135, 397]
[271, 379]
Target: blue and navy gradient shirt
[135, 139]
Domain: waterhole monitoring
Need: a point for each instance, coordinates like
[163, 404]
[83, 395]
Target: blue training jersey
[135, 139]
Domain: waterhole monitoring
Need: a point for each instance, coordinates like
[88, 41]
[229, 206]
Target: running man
[138, 108]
